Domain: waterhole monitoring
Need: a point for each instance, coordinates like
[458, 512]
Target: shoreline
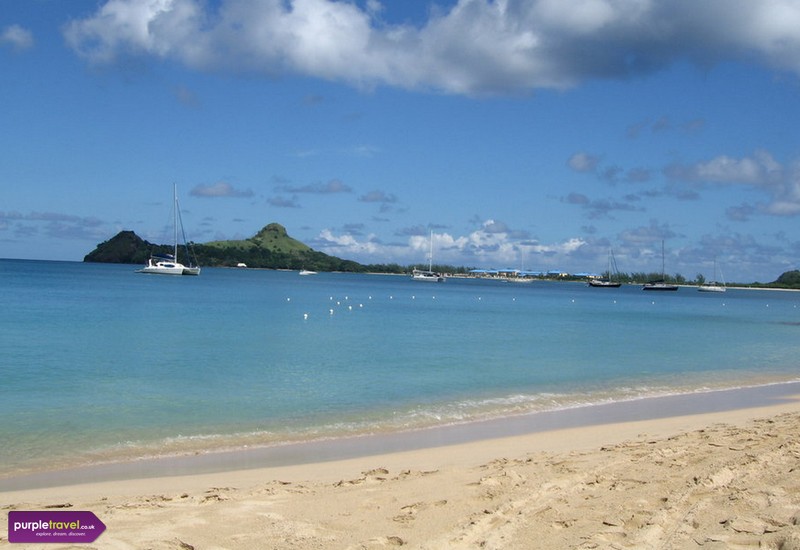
[723, 478]
[666, 409]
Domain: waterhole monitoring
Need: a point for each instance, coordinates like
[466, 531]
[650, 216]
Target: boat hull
[604, 284]
[168, 268]
[710, 288]
[162, 269]
[660, 287]
[427, 277]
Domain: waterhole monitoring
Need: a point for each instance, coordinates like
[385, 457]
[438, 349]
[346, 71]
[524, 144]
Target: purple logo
[64, 527]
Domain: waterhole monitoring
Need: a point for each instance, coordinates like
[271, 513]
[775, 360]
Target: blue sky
[533, 134]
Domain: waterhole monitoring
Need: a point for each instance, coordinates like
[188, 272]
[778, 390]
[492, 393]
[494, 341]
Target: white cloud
[474, 47]
[347, 246]
[219, 189]
[378, 196]
[55, 225]
[16, 37]
[644, 236]
[759, 171]
[583, 162]
[330, 187]
[482, 247]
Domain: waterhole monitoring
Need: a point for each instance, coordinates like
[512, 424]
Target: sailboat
[660, 284]
[713, 286]
[608, 282]
[521, 275]
[167, 264]
[429, 275]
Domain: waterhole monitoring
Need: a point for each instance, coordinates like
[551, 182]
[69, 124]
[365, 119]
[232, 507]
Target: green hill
[270, 248]
[272, 237]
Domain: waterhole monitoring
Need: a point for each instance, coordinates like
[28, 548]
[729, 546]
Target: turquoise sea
[101, 364]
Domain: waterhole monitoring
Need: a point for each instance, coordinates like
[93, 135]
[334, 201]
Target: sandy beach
[728, 479]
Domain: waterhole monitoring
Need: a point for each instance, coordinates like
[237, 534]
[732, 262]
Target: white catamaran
[167, 264]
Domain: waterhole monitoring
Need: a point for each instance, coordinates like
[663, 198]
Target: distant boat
[713, 286]
[167, 264]
[612, 272]
[307, 272]
[429, 275]
[660, 284]
[520, 276]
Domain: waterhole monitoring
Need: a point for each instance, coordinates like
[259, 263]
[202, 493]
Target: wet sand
[719, 470]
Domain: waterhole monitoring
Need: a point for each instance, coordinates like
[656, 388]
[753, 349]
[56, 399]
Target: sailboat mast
[175, 221]
[430, 254]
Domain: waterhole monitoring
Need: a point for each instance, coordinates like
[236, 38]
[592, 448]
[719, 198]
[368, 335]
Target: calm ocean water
[100, 363]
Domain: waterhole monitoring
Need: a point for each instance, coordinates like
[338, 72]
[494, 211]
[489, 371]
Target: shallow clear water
[100, 363]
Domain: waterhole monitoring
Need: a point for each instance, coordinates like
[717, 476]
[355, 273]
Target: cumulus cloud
[472, 47]
[17, 37]
[284, 202]
[347, 245]
[651, 235]
[382, 198]
[54, 224]
[491, 244]
[586, 163]
[664, 124]
[378, 196]
[759, 171]
[583, 162]
[330, 187]
[599, 208]
[219, 189]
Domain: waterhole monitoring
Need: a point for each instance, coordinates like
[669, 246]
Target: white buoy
[305, 315]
